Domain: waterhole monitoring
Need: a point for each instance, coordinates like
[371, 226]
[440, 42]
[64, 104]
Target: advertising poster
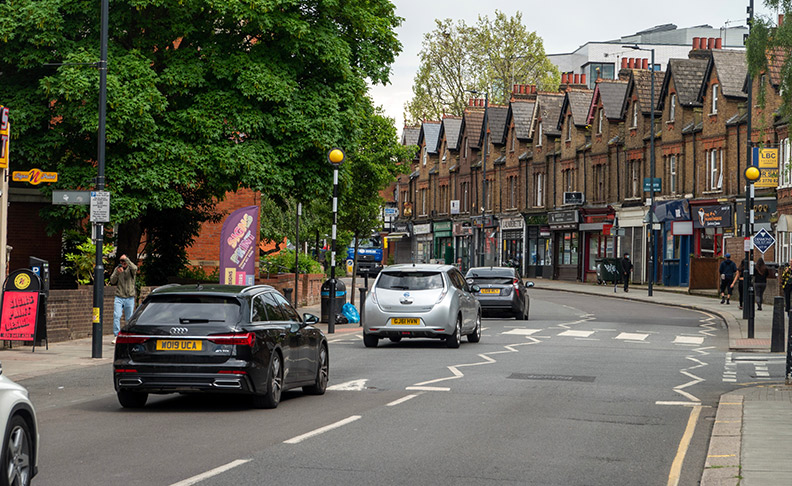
[19, 316]
[712, 217]
[238, 247]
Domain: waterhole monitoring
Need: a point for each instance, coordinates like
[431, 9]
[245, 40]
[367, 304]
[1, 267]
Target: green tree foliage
[204, 97]
[771, 43]
[490, 56]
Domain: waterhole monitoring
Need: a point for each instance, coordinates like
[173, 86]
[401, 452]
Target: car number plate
[406, 321]
[490, 291]
[178, 345]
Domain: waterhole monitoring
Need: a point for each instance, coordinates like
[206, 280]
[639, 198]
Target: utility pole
[751, 176]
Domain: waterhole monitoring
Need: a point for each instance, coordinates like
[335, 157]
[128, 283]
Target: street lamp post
[653, 251]
[483, 177]
[336, 157]
[752, 174]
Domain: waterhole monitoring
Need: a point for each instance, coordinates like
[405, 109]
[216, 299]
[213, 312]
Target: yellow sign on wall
[766, 159]
[34, 176]
[5, 134]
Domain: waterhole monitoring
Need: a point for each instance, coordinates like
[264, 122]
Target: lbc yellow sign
[766, 159]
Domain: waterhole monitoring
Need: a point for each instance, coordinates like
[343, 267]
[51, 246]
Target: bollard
[363, 291]
[777, 336]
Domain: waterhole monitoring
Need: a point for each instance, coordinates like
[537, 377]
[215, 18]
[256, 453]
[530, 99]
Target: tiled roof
[500, 160]
[688, 76]
[579, 102]
[430, 130]
[525, 155]
[612, 94]
[737, 119]
[410, 135]
[642, 80]
[522, 112]
[693, 127]
[732, 69]
[496, 119]
[775, 61]
[549, 110]
[471, 126]
[450, 129]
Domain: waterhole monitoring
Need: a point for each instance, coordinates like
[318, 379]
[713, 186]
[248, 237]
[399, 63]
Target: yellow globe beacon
[336, 156]
[752, 174]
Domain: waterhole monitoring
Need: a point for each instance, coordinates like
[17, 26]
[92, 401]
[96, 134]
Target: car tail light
[126, 338]
[442, 296]
[232, 372]
[373, 297]
[240, 339]
[516, 287]
[125, 370]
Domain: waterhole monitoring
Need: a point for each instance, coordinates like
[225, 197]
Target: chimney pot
[780, 19]
[582, 79]
[564, 78]
[631, 63]
[710, 43]
[577, 79]
[645, 64]
[696, 43]
[516, 88]
[624, 63]
[533, 89]
[718, 43]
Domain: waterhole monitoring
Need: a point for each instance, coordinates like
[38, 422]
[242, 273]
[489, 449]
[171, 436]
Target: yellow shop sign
[34, 176]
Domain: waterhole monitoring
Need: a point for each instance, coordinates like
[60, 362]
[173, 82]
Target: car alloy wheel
[322, 374]
[475, 336]
[454, 339]
[18, 452]
[272, 394]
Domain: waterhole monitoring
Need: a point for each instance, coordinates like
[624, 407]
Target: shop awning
[784, 224]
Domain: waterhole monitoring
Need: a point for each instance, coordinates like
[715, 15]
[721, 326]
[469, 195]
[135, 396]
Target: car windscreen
[190, 309]
[410, 281]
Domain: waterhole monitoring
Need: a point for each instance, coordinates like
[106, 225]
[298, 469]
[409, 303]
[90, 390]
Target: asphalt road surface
[589, 391]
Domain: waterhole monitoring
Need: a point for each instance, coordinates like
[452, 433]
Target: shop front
[463, 234]
[632, 239]
[764, 209]
[674, 246]
[487, 240]
[710, 223]
[512, 237]
[539, 262]
[423, 242]
[598, 241]
[399, 243]
[566, 244]
[443, 243]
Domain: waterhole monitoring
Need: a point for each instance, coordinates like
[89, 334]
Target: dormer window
[672, 108]
[715, 88]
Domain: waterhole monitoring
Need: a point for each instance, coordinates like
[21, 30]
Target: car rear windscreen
[410, 281]
[190, 309]
[498, 276]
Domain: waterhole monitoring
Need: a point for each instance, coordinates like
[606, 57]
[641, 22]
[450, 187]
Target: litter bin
[608, 270]
[338, 303]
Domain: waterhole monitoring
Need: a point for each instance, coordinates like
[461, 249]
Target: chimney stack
[718, 43]
[645, 64]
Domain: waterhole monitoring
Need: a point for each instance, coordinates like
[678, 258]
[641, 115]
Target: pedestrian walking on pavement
[786, 284]
[626, 266]
[738, 279]
[727, 271]
[123, 278]
[761, 272]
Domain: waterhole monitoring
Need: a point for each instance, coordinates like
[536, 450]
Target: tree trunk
[354, 270]
[128, 240]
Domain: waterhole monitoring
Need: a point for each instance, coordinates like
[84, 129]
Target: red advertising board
[19, 316]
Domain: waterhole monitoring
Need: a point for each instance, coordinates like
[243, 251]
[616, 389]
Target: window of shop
[513, 249]
[568, 248]
[784, 169]
[784, 247]
[672, 246]
[711, 242]
[600, 246]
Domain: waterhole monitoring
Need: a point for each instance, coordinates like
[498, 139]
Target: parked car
[421, 301]
[501, 290]
[21, 438]
[219, 338]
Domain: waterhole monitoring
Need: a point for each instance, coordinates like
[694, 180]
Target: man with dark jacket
[727, 271]
[626, 266]
[123, 278]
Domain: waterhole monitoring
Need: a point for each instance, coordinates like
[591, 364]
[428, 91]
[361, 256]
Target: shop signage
[563, 219]
[20, 310]
[442, 226]
[763, 240]
[681, 228]
[575, 198]
[34, 176]
[5, 128]
[401, 228]
[391, 212]
[422, 229]
[460, 229]
[487, 221]
[766, 159]
[455, 206]
[763, 209]
[712, 216]
[652, 184]
[512, 224]
[407, 209]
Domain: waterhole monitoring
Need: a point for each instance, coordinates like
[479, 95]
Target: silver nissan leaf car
[421, 301]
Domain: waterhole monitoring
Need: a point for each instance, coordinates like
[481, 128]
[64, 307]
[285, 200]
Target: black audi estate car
[219, 338]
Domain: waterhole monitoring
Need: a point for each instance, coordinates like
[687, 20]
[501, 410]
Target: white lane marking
[579, 334]
[631, 336]
[402, 400]
[689, 340]
[213, 472]
[428, 388]
[322, 430]
[684, 404]
[522, 332]
[354, 385]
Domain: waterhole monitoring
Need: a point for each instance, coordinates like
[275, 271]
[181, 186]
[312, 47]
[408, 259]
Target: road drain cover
[533, 376]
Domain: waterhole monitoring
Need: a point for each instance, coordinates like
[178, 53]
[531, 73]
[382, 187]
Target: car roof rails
[257, 286]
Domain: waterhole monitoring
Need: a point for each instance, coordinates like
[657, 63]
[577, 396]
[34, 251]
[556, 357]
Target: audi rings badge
[178, 331]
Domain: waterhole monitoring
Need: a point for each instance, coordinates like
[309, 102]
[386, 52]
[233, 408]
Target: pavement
[753, 426]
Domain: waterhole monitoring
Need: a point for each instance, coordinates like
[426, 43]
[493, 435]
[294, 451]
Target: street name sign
[71, 197]
[763, 240]
[648, 182]
[100, 207]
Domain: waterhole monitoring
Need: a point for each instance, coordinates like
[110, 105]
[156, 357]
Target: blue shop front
[673, 242]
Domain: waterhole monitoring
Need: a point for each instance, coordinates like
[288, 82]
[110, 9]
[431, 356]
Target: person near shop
[761, 272]
[626, 268]
[786, 284]
[727, 271]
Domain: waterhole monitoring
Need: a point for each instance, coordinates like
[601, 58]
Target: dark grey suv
[501, 290]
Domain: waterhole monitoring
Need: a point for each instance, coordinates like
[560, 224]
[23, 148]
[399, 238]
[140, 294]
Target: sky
[586, 21]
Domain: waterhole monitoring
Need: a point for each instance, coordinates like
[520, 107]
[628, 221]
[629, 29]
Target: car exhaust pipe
[235, 384]
[130, 382]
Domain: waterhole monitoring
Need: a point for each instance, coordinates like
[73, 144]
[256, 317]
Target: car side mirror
[469, 281]
[529, 284]
[475, 288]
[310, 319]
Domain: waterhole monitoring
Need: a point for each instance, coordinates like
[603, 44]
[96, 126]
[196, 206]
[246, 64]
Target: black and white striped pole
[336, 157]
